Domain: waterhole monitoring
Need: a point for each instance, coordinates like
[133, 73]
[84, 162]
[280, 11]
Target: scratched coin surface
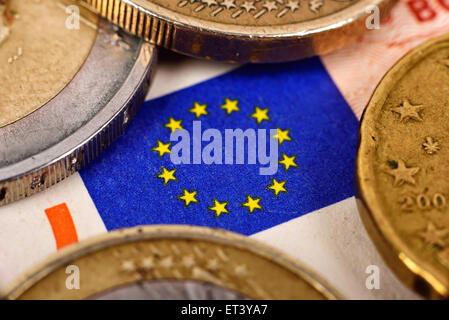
[402, 168]
[171, 262]
[244, 30]
[65, 93]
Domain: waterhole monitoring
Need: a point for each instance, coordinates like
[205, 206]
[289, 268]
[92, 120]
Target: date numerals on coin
[423, 202]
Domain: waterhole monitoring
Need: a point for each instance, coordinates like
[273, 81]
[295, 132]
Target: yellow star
[167, 175]
[188, 197]
[260, 114]
[277, 186]
[433, 236]
[199, 109]
[408, 111]
[219, 208]
[288, 161]
[162, 148]
[230, 106]
[402, 174]
[173, 124]
[252, 204]
[282, 135]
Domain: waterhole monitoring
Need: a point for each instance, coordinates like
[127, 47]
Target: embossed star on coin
[293, 5]
[229, 4]
[408, 111]
[315, 5]
[166, 262]
[270, 5]
[402, 174]
[431, 146]
[188, 261]
[128, 266]
[210, 3]
[432, 235]
[213, 265]
[241, 270]
[147, 263]
[248, 6]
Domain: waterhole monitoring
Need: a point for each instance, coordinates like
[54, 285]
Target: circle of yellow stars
[220, 207]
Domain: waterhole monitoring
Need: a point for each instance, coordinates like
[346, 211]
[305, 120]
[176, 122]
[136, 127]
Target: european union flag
[135, 182]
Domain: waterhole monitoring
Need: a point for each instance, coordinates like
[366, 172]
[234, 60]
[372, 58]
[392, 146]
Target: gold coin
[173, 262]
[402, 171]
[39, 55]
[244, 30]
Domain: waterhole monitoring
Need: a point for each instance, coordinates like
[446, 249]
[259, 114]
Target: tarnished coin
[402, 168]
[69, 84]
[244, 30]
[170, 262]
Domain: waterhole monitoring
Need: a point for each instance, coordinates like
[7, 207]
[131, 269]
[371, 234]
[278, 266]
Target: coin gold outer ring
[81, 121]
[133, 242]
[234, 43]
[401, 259]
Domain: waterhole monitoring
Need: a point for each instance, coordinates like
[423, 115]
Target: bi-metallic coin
[169, 262]
[68, 88]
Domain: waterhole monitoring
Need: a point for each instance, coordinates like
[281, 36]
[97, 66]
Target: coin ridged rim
[84, 145]
[165, 232]
[172, 30]
[395, 252]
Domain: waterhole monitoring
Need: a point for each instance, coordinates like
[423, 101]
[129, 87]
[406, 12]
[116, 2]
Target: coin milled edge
[180, 33]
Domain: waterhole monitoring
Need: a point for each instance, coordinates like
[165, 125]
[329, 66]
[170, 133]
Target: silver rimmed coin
[170, 262]
[68, 88]
[245, 30]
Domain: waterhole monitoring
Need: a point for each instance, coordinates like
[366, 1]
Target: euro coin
[170, 262]
[402, 172]
[38, 59]
[69, 84]
[245, 31]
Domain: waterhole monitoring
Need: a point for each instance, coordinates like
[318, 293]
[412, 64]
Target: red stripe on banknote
[62, 224]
